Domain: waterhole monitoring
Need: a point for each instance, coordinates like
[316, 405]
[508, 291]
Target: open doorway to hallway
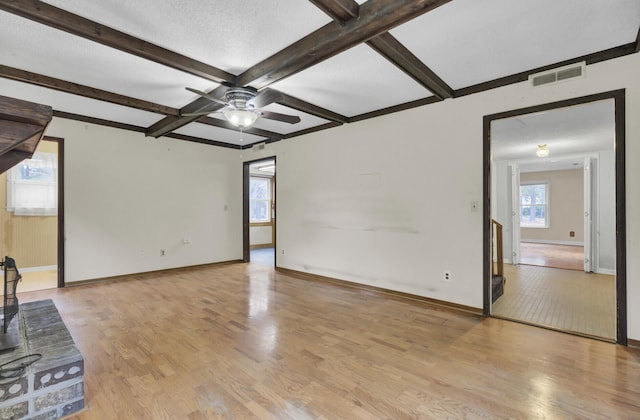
[31, 219]
[260, 211]
[559, 212]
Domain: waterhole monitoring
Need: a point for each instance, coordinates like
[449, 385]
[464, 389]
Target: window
[259, 200]
[534, 205]
[32, 186]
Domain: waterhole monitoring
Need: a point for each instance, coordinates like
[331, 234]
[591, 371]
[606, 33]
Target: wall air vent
[259, 146]
[558, 75]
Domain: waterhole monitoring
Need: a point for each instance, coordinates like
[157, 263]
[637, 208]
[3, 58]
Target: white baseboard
[552, 242]
[41, 268]
[605, 271]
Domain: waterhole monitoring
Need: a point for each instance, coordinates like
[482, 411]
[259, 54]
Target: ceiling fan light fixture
[241, 118]
[542, 151]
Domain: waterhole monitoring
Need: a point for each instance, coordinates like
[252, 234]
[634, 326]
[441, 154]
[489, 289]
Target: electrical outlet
[447, 276]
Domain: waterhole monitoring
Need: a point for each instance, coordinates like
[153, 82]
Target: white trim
[552, 242]
[41, 268]
[605, 271]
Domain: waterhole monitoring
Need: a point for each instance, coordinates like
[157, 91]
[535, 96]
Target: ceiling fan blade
[206, 95]
[264, 98]
[193, 114]
[291, 119]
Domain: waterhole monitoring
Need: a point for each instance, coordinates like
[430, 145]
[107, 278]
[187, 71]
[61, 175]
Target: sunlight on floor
[36, 280]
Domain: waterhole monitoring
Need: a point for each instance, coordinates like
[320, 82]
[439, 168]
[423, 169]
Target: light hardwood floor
[35, 280]
[569, 257]
[565, 299]
[242, 341]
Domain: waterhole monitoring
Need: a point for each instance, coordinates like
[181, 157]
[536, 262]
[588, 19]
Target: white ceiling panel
[353, 83]
[40, 49]
[467, 42]
[230, 35]
[60, 101]
[218, 134]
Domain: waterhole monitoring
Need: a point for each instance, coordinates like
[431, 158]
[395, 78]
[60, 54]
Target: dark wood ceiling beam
[312, 129]
[340, 10]
[216, 122]
[82, 90]
[638, 41]
[308, 108]
[390, 48]
[203, 141]
[376, 17]
[69, 22]
[395, 108]
[170, 123]
[138, 129]
[97, 121]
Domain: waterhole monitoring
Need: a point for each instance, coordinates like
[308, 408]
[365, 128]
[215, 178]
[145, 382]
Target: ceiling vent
[558, 75]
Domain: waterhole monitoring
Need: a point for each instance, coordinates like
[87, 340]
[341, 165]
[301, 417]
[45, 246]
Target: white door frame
[588, 219]
[515, 213]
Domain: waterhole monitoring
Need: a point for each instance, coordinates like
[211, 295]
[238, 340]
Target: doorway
[32, 222]
[584, 138]
[259, 211]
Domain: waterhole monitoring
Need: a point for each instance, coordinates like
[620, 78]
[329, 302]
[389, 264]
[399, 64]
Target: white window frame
[547, 206]
[268, 200]
[33, 197]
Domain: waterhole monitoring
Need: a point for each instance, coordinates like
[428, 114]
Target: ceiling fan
[242, 106]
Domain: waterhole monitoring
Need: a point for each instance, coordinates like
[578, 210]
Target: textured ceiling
[354, 70]
[568, 132]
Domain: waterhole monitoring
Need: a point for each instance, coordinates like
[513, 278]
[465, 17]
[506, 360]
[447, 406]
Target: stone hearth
[52, 387]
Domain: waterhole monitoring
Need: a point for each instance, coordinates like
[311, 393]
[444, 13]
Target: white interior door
[588, 266]
[515, 213]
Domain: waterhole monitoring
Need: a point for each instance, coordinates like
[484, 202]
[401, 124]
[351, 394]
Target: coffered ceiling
[127, 63]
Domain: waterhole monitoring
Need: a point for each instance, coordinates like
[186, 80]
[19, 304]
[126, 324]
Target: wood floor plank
[568, 257]
[569, 300]
[241, 341]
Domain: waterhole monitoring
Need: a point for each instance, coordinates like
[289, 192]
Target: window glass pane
[533, 205]
[259, 211]
[259, 189]
[259, 200]
[32, 186]
[36, 170]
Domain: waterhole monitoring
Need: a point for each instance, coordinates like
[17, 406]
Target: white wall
[128, 196]
[393, 210]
